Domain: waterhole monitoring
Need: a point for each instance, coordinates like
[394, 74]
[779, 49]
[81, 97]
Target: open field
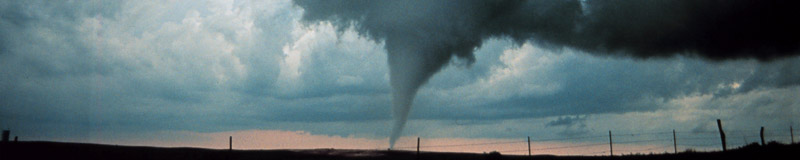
[58, 150]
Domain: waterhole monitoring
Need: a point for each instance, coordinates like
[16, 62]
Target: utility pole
[529, 146]
[722, 135]
[610, 144]
[674, 141]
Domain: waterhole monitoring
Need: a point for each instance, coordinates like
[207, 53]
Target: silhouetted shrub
[750, 146]
[774, 143]
[494, 155]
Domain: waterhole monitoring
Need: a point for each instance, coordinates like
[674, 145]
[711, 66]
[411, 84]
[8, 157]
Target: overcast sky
[127, 71]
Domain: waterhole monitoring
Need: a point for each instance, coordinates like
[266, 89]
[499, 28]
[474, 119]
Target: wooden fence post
[791, 133]
[230, 143]
[610, 144]
[529, 146]
[417, 147]
[722, 135]
[762, 137]
[674, 141]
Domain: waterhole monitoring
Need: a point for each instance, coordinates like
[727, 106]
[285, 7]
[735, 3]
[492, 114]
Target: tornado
[421, 37]
[410, 67]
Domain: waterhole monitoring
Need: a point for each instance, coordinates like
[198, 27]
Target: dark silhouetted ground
[58, 151]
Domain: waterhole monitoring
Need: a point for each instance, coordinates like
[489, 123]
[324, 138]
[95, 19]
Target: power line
[512, 151]
[689, 139]
[646, 149]
[698, 145]
[645, 133]
[570, 138]
[573, 146]
[639, 141]
[600, 152]
[504, 142]
[468, 144]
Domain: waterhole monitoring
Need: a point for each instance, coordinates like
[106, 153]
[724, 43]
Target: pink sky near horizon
[279, 139]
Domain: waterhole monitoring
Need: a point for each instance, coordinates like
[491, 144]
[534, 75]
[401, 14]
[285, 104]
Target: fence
[625, 143]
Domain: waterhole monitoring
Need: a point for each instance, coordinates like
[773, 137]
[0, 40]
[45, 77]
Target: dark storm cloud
[567, 121]
[716, 30]
[422, 36]
[571, 125]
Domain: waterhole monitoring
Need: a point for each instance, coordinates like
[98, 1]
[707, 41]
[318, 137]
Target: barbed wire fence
[625, 143]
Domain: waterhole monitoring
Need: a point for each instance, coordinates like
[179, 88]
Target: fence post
[762, 136]
[529, 146]
[722, 135]
[674, 141]
[610, 144]
[417, 147]
[230, 143]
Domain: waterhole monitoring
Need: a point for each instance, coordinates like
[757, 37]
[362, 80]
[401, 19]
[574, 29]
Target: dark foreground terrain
[57, 151]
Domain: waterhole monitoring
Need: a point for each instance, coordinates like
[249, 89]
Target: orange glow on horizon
[278, 139]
